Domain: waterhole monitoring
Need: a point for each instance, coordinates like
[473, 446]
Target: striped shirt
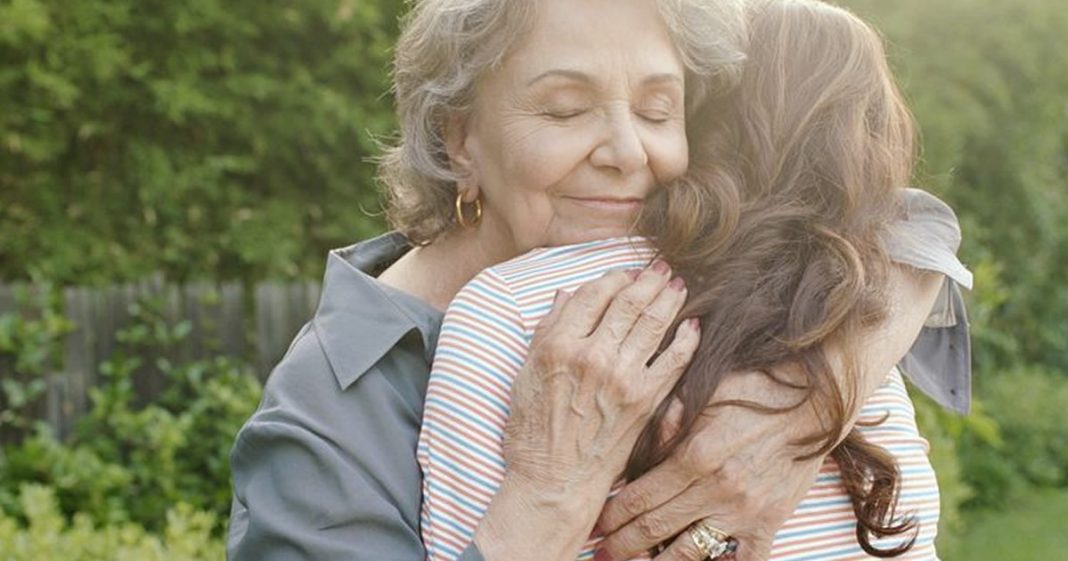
[483, 343]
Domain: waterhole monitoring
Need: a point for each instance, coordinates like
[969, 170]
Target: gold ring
[711, 541]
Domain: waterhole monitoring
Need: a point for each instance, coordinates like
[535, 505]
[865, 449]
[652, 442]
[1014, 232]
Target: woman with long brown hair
[779, 232]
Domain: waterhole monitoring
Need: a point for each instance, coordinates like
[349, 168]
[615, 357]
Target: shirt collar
[359, 319]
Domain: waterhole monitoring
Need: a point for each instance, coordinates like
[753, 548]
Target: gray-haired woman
[562, 146]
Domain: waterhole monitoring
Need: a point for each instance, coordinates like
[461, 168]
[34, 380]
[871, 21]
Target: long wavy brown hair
[776, 230]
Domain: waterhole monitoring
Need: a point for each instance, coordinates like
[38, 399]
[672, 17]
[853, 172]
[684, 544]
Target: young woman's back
[484, 339]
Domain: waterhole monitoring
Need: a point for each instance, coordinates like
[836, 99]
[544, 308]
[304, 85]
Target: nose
[622, 148]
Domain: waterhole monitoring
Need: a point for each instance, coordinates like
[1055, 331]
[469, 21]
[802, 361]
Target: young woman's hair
[776, 229]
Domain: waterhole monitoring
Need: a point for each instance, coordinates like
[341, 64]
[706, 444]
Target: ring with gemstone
[711, 541]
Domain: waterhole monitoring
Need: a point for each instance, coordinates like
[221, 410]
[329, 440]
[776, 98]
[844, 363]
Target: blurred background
[172, 175]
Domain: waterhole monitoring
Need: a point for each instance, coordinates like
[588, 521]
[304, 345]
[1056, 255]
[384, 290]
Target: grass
[1034, 527]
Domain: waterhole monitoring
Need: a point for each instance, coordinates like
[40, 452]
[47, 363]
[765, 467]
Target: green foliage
[30, 346]
[948, 434]
[211, 138]
[987, 81]
[1030, 408]
[46, 535]
[131, 462]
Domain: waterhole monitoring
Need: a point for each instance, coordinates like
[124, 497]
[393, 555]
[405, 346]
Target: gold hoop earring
[461, 218]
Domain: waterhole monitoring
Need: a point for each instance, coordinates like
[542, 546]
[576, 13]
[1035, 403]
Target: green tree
[208, 138]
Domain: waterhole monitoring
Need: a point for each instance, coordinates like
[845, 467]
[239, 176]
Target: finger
[669, 366]
[584, 309]
[753, 549]
[663, 483]
[669, 425]
[559, 299]
[682, 549]
[656, 526]
[625, 309]
[647, 333]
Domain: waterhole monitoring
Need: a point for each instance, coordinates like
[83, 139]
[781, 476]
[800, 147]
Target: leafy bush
[30, 343]
[986, 80]
[47, 536]
[130, 462]
[1030, 408]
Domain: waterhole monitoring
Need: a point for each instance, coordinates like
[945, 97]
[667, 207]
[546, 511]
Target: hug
[653, 269]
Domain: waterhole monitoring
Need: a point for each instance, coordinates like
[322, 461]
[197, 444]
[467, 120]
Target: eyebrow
[578, 76]
[569, 74]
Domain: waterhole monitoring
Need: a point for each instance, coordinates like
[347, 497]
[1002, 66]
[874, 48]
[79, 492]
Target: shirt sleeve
[326, 473]
[927, 237]
[480, 350]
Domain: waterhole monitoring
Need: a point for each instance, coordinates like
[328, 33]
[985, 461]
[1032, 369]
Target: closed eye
[655, 117]
[564, 115]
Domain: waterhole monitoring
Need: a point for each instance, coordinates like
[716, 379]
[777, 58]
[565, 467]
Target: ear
[461, 160]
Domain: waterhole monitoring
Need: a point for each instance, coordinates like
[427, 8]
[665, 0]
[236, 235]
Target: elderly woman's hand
[583, 397]
[738, 468]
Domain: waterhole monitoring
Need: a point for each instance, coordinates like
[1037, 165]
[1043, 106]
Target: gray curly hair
[447, 45]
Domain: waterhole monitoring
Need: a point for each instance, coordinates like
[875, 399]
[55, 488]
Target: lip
[627, 204]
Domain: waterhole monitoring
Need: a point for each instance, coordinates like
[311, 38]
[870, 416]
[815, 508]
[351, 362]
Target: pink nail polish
[677, 284]
[660, 266]
[633, 273]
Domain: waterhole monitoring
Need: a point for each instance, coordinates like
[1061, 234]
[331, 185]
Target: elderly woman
[494, 161]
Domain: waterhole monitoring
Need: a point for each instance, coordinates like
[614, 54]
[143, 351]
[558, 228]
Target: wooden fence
[230, 319]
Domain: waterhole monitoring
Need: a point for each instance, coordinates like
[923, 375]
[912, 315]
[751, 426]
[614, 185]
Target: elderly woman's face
[576, 128]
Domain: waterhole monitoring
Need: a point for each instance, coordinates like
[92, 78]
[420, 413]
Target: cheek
[669, 154]
[537, 158]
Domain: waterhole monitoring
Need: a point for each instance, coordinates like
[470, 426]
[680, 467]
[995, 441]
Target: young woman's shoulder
[598, 255]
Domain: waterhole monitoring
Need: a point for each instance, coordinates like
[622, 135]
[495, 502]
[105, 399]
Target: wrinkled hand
[736, 470]
[585, 392]
[582, 398]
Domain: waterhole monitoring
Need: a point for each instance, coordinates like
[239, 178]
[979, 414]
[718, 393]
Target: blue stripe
[486, 291]
[453, 408]
[441, 486]
[454, 437]
[438, 548]
[481, 315]
[452, 381]
[478, 366]
[479, 340]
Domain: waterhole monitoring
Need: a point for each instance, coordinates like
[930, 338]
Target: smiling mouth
[609, 203]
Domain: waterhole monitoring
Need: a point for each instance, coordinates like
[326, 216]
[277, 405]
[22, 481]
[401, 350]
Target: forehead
[596, 35]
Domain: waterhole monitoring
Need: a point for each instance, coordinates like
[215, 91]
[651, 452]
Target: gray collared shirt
[325, 469]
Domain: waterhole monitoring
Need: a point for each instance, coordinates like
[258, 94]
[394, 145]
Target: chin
[588, 233]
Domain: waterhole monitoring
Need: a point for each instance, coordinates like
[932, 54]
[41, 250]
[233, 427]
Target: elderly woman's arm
[577, 406]
[324, 469]
[738, 468]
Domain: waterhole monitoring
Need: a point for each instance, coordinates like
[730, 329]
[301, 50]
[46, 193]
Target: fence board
[256, 323]
[79, 358]
[281, 310]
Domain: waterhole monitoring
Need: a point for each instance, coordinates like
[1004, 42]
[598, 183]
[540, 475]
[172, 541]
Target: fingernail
[677, 284]
[661, 266]
[695, 324]
[633, 273]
